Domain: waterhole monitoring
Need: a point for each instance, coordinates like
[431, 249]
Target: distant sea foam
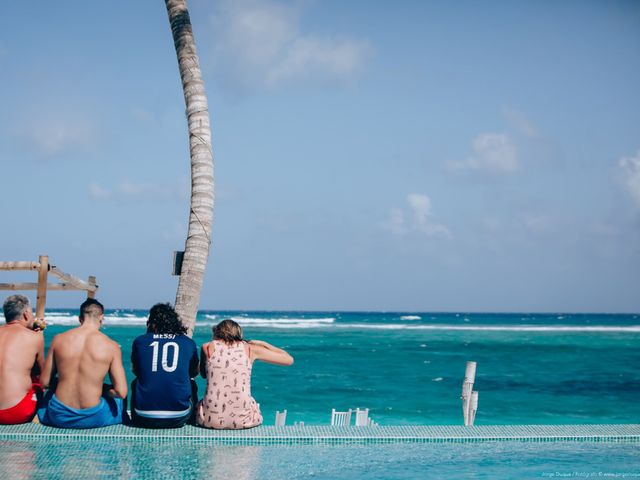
[282, 321]
[129, 319]
[497, 328]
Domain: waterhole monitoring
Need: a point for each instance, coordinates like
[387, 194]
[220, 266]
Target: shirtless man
[81, 357]
[21, 359]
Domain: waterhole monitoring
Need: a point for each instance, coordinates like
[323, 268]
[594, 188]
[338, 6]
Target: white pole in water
[474, 408]
[467, 388]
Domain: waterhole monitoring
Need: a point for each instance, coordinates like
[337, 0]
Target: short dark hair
[164, 319]
[91, 307]
[14, 306]
[228, 331]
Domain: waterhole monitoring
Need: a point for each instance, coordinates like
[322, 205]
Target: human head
[228, 331]
[91, 309]
[164, 319]
[15, 307]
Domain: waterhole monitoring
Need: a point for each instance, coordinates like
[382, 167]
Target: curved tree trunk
[196, 250]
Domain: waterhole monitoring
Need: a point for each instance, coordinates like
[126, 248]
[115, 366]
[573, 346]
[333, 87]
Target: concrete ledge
[327, 435]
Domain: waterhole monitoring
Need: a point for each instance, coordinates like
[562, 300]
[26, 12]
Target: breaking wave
[498, 328]
[123, 318]
[283, 322]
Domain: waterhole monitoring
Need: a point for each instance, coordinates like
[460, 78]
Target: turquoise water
[122, 459]
[407, 368]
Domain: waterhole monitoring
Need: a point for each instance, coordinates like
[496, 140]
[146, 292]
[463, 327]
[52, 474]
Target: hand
[39, 324]
[107, 389]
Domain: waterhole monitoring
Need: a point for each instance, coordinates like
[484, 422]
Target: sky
[377, 156]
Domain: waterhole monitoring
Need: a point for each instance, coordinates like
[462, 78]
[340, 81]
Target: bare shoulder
[255, 349]
[26, 336]
[61, 336]
[35, 337]
[208, 348]
[113, 345]
[98, 341]
[24, 332]
[106, 340]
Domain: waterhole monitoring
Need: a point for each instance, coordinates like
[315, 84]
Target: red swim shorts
[24, 411]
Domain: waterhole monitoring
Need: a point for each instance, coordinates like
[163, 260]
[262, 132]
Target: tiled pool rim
[328, 435]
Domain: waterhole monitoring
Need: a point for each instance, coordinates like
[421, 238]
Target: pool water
[53, 458]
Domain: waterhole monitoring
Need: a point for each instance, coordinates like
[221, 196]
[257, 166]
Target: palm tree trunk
[196, 250]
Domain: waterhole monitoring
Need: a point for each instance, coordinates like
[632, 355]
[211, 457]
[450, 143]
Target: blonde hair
[228, 331]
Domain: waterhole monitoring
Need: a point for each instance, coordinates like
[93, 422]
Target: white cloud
[492, 152]
[128, 190]
[396, 222]
[520, 122]
[53, 137]
[630, 168]
[99, 193]
[259, 43]
[417, 217]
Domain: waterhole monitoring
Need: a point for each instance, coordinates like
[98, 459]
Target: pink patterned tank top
[227, 402]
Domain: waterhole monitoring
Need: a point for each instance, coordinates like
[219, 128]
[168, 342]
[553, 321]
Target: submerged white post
[467, 388]
[473, 408]
[281, 418]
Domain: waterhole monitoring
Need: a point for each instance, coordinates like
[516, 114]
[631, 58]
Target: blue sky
[429, 156]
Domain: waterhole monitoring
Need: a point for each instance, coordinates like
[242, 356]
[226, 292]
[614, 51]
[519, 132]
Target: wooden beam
[92, 282]
[34, 286]
[65, 277]
[19, 265]
[43, 272]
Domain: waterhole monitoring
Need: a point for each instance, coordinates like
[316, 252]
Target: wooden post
[467, 388]
[43, 271]
[92, 282]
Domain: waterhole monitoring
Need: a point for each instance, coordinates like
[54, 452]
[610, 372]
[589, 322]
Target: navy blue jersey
[163, 364]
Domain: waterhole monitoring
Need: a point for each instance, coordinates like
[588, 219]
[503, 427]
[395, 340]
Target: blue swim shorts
[110, 411]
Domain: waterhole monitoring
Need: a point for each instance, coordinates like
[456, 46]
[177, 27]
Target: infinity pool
[57, 458]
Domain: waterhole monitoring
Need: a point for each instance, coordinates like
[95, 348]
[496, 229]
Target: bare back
[20, 349]
[82, 357]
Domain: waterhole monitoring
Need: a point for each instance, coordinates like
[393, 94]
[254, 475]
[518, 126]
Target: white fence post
[467, 388]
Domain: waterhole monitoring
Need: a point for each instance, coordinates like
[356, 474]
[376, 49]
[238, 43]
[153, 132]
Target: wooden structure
[43, 269]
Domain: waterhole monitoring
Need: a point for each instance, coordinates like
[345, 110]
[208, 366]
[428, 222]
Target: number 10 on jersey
[166, 365]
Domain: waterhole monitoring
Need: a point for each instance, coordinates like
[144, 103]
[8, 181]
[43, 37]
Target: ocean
[408, 368]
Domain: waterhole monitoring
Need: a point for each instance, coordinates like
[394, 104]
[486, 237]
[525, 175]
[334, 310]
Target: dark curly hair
[164, 319]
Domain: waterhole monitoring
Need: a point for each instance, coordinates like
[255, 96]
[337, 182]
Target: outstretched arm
[266, 352]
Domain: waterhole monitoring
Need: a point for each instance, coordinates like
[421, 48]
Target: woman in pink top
[226, 363]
